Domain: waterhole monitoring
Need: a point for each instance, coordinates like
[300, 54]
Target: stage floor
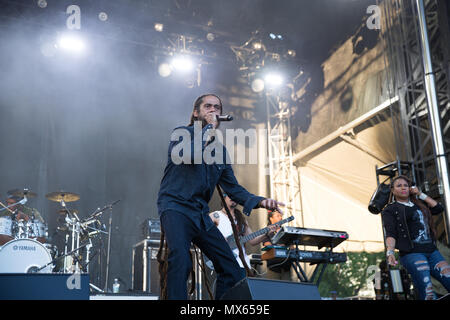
[119, 296]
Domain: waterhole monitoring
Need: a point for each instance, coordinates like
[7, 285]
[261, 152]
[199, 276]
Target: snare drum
[5, 230]
[39, 230]
[23, 256]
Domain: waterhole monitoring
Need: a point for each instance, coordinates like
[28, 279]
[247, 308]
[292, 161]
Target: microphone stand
[109, 245]
[100, 211]
[66, 254]
[235, 233]
[108, 252]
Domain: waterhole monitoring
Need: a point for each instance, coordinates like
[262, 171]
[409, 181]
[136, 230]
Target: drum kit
[24, 241]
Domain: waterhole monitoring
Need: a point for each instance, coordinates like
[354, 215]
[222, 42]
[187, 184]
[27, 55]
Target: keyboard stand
[302, 277]
[297, 267]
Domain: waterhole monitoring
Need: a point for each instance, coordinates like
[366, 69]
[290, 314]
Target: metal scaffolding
[284, 184]
[416, 34]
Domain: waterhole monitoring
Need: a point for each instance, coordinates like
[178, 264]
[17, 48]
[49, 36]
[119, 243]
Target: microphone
[225, 118]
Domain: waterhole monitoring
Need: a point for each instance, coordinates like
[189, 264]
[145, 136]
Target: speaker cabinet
[145, 272]
[263, 289]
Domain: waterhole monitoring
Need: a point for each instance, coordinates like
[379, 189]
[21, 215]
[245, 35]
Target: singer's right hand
[211, 118]
[271, 204]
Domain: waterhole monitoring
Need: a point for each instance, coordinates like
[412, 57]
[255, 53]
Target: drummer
[23, 212]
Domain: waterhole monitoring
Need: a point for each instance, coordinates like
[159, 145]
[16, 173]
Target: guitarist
[222, 222]
[277, 271]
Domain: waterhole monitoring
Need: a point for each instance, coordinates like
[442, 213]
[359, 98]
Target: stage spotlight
[380, 198]
[257, 45]
[257, 85]
[274, 36]
[42, 4]
[182, 63]
[164, 70]
[291, 53]
[102, 16]
[159, 27]
[273, 80]
[71, 43]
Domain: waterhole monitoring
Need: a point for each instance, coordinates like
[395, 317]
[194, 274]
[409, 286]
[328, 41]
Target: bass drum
[24, 256]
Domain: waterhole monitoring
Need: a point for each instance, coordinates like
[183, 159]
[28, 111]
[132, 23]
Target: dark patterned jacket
[395, 224]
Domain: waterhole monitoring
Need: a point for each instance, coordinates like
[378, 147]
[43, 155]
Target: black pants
[180, 231]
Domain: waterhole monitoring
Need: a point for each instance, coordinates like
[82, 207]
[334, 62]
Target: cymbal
[64, 211]
[62, 196]
[22, 193]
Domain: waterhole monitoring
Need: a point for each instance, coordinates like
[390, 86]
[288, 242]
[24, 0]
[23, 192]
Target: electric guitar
[243, 239]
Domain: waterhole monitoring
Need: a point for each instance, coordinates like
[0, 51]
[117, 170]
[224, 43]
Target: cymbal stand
[75, 240]
[65, 253]
[76, 226]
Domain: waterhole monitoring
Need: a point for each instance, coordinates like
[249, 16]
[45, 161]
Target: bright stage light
[164, 70]
[71, 43]
[182, 63]
[257, 45]
[103, 16]
[273, 80]
[159, 27]
[274, 36]
[42, 4]
[257, 85]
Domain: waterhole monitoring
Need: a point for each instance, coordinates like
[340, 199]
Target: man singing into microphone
[186, 188]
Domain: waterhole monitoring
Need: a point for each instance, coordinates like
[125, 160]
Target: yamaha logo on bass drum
[24, 248]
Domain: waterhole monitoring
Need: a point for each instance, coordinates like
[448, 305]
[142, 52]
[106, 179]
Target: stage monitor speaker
[145, 267]
[264, 289]
[44, 286]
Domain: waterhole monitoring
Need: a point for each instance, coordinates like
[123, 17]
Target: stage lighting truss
[183, 58]
[265, 69]
[271, 73]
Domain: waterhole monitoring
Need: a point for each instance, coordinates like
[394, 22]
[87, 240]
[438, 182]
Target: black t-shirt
[419, 229]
